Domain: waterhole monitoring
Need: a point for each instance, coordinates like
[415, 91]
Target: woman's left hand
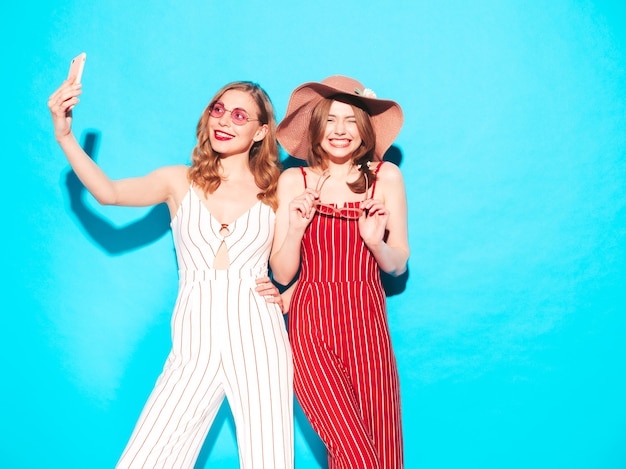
[268, 290]
[373, 222]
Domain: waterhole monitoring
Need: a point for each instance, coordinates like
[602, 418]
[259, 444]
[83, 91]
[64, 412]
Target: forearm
[392, 260]
[285, 262]
[89, 173]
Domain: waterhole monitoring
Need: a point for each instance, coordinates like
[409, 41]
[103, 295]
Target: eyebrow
[347, 115]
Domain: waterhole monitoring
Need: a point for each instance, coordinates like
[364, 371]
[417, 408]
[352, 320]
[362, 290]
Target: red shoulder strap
[376, 172]
[303, 175]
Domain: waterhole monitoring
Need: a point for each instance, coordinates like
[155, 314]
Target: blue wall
[510, 328]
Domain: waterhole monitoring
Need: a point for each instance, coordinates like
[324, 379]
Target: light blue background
[510, 332]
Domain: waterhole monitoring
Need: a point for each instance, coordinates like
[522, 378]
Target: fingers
[65, 91]
[372, 207]
[268, 290]
[304, 204]
[372, 224]
[262, 280]
[65, 97]
[276, 300]
[303, 208]
[265, 287]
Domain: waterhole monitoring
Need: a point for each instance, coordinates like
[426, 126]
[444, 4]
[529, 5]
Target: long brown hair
[263, 156]
[362, 156]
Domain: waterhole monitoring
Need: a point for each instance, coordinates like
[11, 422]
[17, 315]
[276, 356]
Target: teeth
[222, 134]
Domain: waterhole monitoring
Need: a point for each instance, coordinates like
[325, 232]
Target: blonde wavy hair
[263, 157]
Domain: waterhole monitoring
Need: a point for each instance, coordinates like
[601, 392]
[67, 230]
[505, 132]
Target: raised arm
[154, 188]
[385, 228]
[295, 211]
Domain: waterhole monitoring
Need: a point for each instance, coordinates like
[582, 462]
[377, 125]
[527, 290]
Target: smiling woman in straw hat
[340, 220]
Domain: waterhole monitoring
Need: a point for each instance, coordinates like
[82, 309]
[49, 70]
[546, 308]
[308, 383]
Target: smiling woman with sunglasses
[339, 221]
[228, 334]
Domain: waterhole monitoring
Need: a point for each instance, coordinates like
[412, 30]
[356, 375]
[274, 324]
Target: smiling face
[228, 138]
[341, 137]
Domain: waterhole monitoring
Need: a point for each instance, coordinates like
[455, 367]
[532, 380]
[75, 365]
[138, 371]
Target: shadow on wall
[394, 285]
[113, 239]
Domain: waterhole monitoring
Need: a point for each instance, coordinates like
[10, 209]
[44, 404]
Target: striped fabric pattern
[227, 341]
[346, 378]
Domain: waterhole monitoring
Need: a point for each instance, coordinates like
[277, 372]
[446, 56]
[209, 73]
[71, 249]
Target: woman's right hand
[61, 103]
[302, 209]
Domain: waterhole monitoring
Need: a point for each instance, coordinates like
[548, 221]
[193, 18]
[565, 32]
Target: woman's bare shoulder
[176, 177]
[291, 176]
[291, 173]
[389, 182]
[389, 171]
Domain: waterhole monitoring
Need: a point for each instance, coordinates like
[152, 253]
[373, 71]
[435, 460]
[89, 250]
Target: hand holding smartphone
[76, 68]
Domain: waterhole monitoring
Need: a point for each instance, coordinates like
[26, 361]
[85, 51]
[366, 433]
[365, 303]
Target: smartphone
[76, 67]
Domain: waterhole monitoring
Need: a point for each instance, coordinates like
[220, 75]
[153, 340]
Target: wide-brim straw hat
[293, 131]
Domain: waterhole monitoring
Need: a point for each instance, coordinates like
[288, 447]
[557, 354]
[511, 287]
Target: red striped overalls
[346, 378]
